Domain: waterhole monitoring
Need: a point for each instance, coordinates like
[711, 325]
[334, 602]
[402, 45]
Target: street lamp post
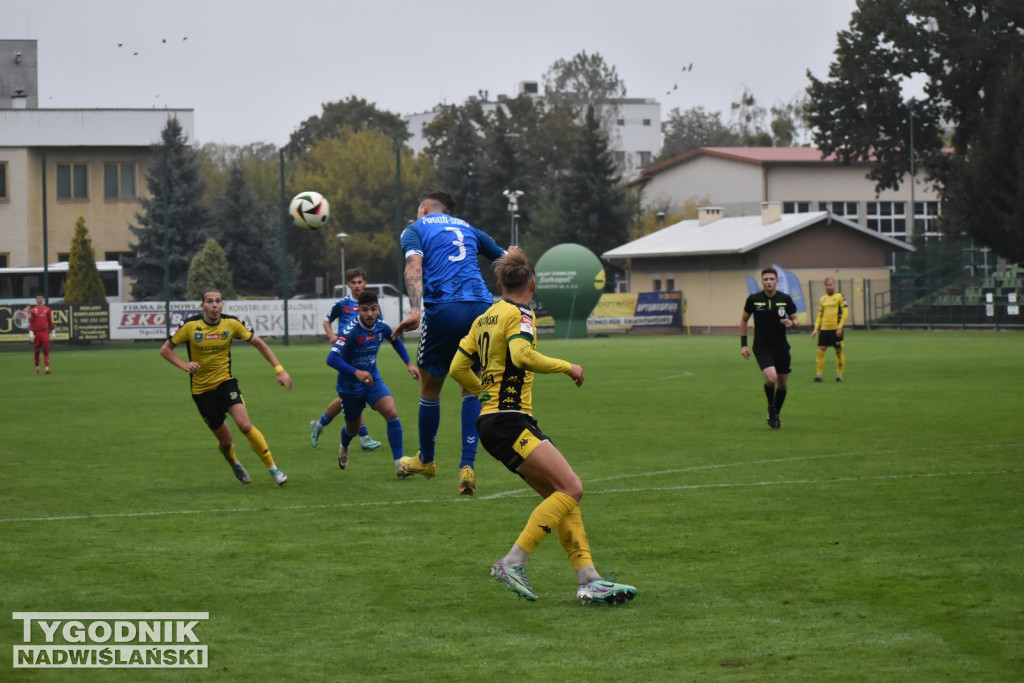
[341, 240]
[513, 208]
[912, 228]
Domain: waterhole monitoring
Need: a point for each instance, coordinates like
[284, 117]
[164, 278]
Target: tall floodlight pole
[913, 174]
[164, 189]
[284, 250]
[46, 257]
[399, 224]
[344, 280]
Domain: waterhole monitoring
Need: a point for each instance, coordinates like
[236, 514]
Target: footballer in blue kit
[354, 356]
[343, 311]
[446, 288]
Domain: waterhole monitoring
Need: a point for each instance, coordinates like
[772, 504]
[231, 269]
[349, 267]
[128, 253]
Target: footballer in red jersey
[40, 325]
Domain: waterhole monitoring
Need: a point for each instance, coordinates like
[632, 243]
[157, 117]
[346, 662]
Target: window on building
[3, 181]
[620, 158]
[119, 181]
[926, 219]
[849, 210]
[670, 284]
[657, 285]
[620, 122]
[888, 218]
[647, 122]
[122, 257]
[645, 159]
[63, 256]
[796, 207]
[5, 260]
[72, 181]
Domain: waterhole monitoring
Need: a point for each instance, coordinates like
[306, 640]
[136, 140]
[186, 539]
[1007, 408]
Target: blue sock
[430, 420]
[395, 437]
[325, 419]
[470, 412]
[363, 431]
[345, 438]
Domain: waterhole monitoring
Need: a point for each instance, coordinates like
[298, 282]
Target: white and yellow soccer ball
[309, 210]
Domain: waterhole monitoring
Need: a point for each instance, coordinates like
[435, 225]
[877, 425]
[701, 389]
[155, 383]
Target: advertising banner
[648, 310]
[71, 322]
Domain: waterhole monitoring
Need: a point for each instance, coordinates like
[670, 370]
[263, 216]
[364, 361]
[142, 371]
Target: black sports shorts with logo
[509, 437]
[213, 405]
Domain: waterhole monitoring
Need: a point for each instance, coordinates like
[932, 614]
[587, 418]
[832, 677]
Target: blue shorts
[444, 326]
[353, 405]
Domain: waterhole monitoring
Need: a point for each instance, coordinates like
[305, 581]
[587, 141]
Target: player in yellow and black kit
[208, 336]
[502, 343]
[832, 316]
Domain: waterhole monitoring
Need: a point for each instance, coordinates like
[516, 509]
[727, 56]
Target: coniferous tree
[457, 152]
[187, 221]
[248, 231]
[84, 285]
[595, 211]
[210, 269]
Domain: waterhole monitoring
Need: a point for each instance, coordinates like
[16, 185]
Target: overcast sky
[253, 70]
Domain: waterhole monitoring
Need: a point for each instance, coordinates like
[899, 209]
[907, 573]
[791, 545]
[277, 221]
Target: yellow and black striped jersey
[210, 346]
[502, 342]
[832, 312]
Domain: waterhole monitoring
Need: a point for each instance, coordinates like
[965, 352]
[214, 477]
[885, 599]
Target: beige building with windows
[739, 179]
[59, 164]
[715, 261]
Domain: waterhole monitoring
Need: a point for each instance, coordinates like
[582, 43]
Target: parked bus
[20, 285]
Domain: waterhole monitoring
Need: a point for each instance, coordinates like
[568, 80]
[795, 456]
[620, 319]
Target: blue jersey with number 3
[449, 247]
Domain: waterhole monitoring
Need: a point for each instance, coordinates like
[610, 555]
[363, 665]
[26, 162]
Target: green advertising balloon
[570, 280]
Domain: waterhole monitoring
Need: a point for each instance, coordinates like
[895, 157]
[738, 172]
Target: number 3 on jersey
[459, 242]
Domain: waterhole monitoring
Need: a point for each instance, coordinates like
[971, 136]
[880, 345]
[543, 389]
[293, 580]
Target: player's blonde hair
[513, 270]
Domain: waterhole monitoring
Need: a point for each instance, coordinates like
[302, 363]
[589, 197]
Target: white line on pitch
[517, 493]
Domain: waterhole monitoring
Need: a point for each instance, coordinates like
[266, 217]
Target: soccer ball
[309, 210]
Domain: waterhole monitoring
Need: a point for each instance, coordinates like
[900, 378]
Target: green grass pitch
[879, 535]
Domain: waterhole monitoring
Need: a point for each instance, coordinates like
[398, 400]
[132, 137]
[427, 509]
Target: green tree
[249, 230]
[84, 285]
[693, 128]
[964, 53]
[356, 172]
[595, 211]
[987, 195]
[747, 121]
[208, 269]
[456, 149]
[356, 113]
[186, 223]
[584, 79]
[260, 163]
[789, 122]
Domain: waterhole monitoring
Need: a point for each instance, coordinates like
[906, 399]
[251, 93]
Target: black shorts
[774, 355]
[213, 405]
[830, 338]
[509, 437]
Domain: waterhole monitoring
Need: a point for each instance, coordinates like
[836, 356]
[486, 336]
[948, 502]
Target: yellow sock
[840, 361]
[228, 453]
[259, 446]
[574, 539]
[544, 519]
[819, 362]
